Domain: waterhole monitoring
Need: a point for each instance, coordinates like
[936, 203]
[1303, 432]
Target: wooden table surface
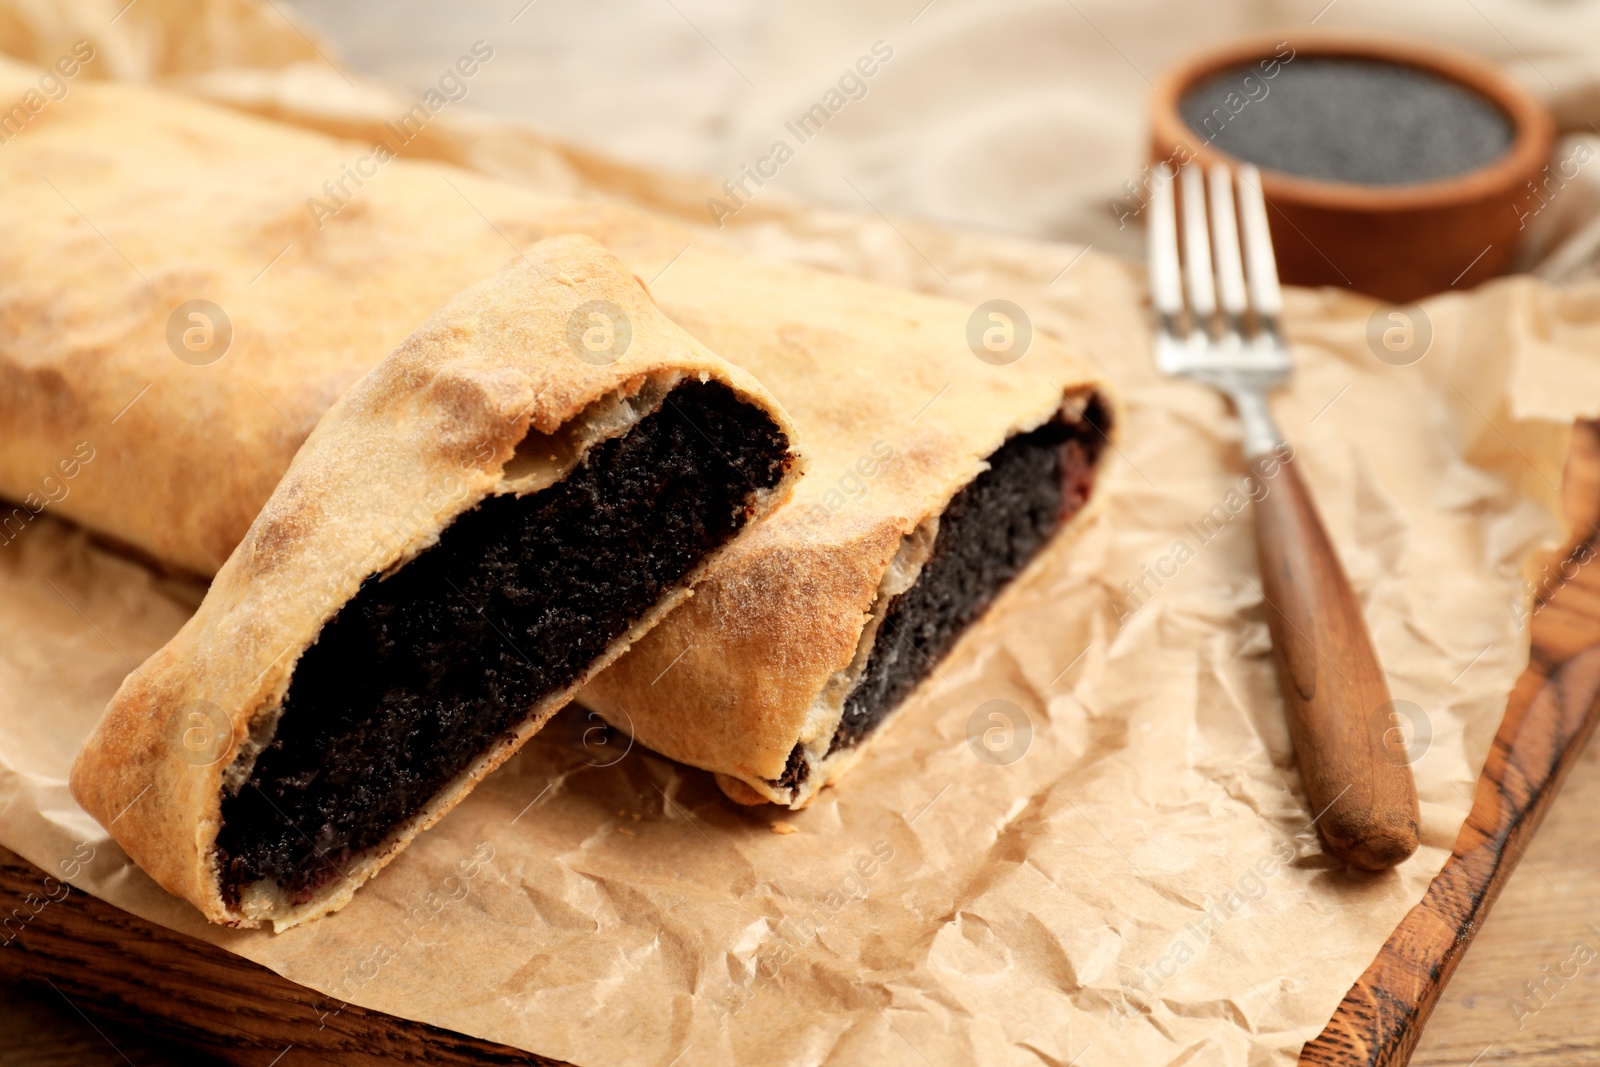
[1545, 910]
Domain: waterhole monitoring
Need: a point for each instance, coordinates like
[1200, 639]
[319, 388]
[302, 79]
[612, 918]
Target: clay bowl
[1395, 242]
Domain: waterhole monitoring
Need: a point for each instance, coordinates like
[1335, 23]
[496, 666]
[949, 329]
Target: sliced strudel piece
[481, 522]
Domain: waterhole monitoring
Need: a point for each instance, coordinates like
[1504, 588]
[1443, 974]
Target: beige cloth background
[1021, 115]
[1141, 886]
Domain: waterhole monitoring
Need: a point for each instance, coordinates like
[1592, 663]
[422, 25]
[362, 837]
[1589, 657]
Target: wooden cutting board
[111, 964]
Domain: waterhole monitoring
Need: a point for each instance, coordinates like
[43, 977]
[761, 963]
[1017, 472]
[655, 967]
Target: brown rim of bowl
[1533, 128]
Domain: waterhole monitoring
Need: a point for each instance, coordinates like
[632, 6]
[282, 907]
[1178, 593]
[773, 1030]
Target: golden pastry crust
[424, 437]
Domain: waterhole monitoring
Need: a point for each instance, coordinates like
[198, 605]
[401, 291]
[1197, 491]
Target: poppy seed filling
[989, 532]
[422, 672]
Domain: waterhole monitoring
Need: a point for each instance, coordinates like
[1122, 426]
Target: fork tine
[1225, 246]
[1197, 245]
[1259, 260]
[1166, 292]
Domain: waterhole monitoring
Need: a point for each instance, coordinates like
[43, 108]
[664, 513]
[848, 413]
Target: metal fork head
[1227, 335]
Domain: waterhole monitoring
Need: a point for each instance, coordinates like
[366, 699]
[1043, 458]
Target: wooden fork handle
[1351, 756]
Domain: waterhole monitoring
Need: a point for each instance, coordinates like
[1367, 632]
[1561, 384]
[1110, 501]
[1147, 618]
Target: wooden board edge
[112, 965]
[1550, 715]
[1380, 1019]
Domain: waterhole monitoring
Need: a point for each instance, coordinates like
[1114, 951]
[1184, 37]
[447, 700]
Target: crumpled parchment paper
[1086, 842]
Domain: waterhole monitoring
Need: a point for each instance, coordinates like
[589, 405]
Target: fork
[1352, 760]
